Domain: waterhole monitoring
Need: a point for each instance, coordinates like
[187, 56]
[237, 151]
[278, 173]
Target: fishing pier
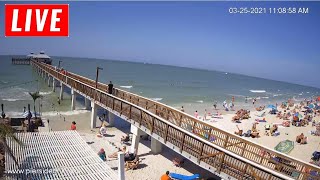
[220, 152]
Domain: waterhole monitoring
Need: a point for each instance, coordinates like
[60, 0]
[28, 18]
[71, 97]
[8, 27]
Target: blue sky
[191, 34]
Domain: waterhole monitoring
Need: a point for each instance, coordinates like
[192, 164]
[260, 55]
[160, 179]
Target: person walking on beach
[166, 176]
[73, 126]
[232, 99]
[182, 109]
[24, 109]
[110, 87]
[196, 114]
[205, 115]
[215, 105]
[246, 99]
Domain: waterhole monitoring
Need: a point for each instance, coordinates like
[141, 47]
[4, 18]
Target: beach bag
[316, 156]
[247, 134]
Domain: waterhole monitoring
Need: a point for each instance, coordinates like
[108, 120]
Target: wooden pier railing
[221, 150]
[20, 61]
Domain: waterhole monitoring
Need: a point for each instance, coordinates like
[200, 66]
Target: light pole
[97, 76]
[59, 64]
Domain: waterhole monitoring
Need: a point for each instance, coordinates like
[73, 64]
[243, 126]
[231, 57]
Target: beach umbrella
[311, 106]
[285, 146]
[271, 106]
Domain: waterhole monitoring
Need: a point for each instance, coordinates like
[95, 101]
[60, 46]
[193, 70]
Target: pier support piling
[111, 118]
[87, 103]
[53, 85]
[136, 133]
[49, 80]
[73, 99]
[121, 166]
[61, 91]
[156, 146]
[93, 123]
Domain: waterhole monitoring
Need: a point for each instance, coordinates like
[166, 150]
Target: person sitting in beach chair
[103, 130]
[239, 132]
[132, 164]
[177, 162]
[254, 131]
[102, 154]
[273, 129]
[115, 154]
[125, 138]
[301, 139]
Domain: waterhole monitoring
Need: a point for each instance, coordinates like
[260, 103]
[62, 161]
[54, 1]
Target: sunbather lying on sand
[115, 154]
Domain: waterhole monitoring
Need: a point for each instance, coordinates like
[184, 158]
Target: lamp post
[59, 64]
[97, 76]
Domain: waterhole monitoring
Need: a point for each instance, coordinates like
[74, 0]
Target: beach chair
[261, 114]
[132, 164]
[176, 176]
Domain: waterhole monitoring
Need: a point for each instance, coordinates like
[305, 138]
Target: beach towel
[261, 120]
[184, 177]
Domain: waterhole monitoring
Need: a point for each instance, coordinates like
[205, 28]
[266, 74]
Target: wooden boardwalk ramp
[214, 149]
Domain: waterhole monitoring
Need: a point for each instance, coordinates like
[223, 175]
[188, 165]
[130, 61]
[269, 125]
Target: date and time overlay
[269, 10]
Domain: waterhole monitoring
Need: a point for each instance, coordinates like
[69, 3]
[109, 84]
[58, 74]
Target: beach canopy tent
[55, 155]
[183, 177]
[285, 146]
[318, 98]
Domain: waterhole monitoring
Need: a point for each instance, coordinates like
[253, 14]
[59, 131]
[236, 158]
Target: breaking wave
[127, 87]
[257, 91]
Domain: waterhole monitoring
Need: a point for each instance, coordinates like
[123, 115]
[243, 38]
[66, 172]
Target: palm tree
[35, 96]
[7, 131]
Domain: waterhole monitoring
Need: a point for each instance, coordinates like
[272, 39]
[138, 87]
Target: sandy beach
[301, 152]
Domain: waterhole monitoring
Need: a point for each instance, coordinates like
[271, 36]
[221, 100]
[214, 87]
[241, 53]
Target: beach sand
[301, 152]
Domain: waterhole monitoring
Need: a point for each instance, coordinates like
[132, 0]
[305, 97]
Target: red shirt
[73, 127]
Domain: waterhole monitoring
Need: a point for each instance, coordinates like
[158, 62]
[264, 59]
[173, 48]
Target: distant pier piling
[20, 61]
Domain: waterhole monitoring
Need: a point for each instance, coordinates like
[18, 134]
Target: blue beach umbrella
[311, 106]
[271, 106]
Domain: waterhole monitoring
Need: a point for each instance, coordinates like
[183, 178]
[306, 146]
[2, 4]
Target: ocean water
[171, 85]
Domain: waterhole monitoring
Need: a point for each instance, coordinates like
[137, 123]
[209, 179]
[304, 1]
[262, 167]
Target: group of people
[301, 139]
[241, 114]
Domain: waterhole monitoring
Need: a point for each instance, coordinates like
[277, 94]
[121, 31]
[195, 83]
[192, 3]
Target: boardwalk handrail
[215, 147]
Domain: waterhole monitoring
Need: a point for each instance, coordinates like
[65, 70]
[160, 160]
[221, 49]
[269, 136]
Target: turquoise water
[167, 84]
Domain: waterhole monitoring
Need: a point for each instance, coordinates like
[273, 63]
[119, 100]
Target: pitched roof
[55, 155]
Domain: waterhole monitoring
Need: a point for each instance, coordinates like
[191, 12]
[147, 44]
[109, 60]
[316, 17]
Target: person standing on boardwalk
[110, 87]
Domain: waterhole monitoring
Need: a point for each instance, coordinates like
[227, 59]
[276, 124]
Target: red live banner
[36, 20]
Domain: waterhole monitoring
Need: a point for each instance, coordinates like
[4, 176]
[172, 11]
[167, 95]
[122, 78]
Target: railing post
[183, 138]
[166, 133]
[201, 150]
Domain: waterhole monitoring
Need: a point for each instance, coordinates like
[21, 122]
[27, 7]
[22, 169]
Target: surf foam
[257, 91]
[127, 87]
